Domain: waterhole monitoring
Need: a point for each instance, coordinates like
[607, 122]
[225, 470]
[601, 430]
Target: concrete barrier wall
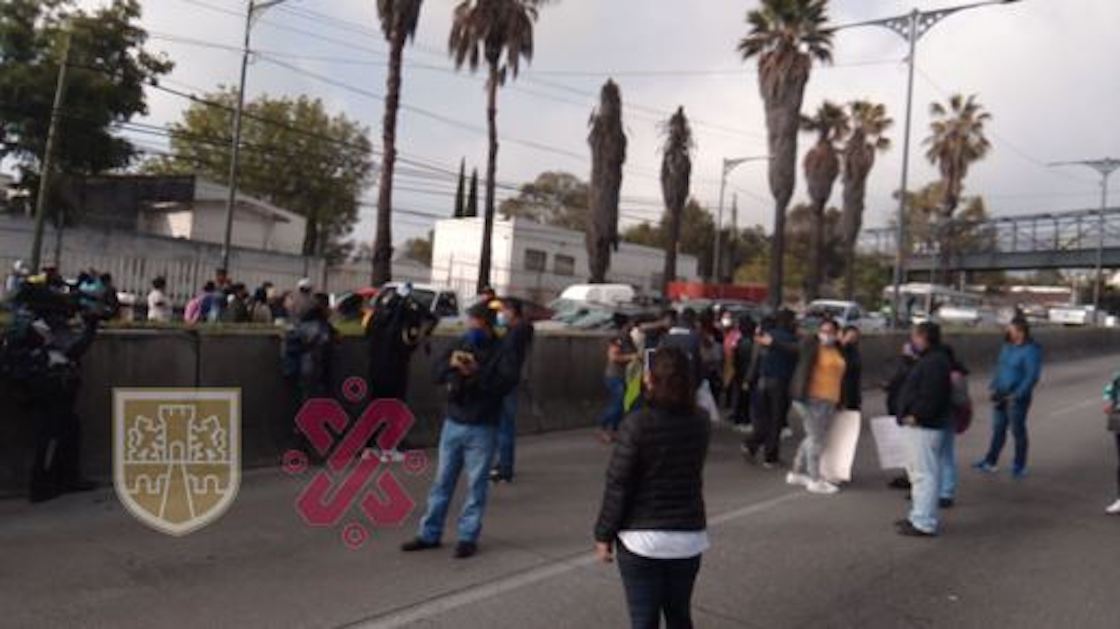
[563, 388]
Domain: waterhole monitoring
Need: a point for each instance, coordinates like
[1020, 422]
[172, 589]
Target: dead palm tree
[676, 172]
[822, 167]
[499, 32]
[398, 23]
[608, 153]
[956, 141]
[869, 122]
[786, 36]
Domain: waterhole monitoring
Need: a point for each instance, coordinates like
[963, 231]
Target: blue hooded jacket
[1018, 370]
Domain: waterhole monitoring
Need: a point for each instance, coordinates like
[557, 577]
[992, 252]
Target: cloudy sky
[1045, 69]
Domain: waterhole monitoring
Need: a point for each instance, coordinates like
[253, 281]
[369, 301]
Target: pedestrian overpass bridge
[1061, 240]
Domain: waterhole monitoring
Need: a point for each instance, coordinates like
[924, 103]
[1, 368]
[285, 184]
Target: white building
[256, 224]
[538, 261]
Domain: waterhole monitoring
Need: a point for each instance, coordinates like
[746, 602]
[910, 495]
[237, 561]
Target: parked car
[844, 313]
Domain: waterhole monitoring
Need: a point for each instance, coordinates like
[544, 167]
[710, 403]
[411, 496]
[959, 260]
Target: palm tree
[676, 171]
[398, 23]
[869, 122]
[499, 32]
[822, 167]
[786, 36]
[608, 153]
[956, 141]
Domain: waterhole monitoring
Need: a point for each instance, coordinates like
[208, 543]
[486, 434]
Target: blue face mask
[503, 320]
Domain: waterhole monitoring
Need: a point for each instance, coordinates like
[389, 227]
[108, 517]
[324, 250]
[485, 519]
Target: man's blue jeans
[926, 448]
[948, 460]
[469, 446]
[1013, 414]
[612, 415]
[507, 435]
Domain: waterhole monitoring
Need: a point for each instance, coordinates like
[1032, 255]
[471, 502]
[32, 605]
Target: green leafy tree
[697, 234]
[109, 66]
[398, 23]
[295, 155]
[786, 36]
[554, 198]
[499, 33]
[608, 153]
[419, 249]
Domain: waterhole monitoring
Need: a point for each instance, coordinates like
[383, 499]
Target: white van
[605, 294]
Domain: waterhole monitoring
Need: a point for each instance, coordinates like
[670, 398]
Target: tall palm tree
[869, 122]
[608, 153]
[956, 141]
[822, 167]
[786, 36]
[676, 172]
[398, 23]
[499, 32]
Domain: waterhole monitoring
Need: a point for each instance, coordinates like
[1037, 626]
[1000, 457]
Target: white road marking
[429, 609]
[1065, 410]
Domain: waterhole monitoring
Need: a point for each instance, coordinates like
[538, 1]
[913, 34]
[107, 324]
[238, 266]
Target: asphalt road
[1033, 553]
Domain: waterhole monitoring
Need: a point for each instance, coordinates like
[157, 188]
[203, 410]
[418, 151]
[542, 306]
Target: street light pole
[253, 11]
[728, 166]
[1105, 167]
[911, 27]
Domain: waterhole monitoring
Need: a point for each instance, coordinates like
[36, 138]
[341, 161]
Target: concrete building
[538, 261]
[256, 224]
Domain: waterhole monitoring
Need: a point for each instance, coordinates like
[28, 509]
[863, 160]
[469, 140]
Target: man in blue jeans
[1017, 373]
[515, 344]
[924, 411]
[477, 375]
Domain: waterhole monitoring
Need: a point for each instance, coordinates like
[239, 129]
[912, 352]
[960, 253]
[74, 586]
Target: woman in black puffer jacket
[653, 505]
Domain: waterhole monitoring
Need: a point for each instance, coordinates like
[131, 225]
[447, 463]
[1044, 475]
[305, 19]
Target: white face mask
[726, 322]
[826, 339]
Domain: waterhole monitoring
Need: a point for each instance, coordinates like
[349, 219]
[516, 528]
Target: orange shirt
[828, 373]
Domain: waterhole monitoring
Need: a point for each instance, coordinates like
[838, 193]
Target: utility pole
[48, 161]
[1105, 167]
[253, 11]
[728, 166]
[911, 27]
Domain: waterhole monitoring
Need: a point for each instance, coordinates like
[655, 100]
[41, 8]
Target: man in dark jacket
[924, 410]
[516, 342]
[777, 349]
[477, 375]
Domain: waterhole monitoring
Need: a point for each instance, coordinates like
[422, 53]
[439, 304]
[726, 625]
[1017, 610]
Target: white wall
[134, 259]
[250, 229]
[456, 252]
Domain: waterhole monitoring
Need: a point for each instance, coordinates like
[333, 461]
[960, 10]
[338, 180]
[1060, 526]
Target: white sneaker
[800, 480]
[822, 487]
[1114, 509]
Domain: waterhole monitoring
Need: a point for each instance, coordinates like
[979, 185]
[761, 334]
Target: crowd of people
[668, 381]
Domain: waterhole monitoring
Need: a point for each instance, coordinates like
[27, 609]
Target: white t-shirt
[159, 308]
[665, 544]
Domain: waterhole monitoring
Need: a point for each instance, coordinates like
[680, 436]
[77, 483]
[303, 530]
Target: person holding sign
[816, 389]
[924, 412]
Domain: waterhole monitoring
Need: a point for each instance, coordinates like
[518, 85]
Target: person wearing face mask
[516, 342]
[816, 389]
